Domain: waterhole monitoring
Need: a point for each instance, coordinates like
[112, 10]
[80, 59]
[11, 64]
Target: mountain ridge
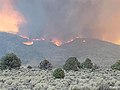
[100, 52]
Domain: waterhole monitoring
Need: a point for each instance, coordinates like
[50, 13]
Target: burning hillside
[61, 21]
[57, 42]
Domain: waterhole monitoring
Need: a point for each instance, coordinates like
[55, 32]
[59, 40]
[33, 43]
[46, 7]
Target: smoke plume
[63, 19]
[85, 18]
[10, 19]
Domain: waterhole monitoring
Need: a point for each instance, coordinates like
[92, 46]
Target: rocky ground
[35, 79]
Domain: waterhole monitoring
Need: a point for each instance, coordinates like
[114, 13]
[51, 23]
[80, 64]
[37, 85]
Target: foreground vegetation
[73, 76]
[38, 79]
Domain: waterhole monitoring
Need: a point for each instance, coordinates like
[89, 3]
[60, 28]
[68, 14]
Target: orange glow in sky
[10, 19]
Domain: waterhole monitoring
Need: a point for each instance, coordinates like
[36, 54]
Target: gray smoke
[66, 19]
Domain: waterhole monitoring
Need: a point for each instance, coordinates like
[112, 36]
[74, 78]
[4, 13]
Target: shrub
[29, 67]
[95, 67]
[71, 64]
[59, 73]
[10, 61]
[45, 65]
[104, 87]
[116, 66]
[80, 88]
[87, 64]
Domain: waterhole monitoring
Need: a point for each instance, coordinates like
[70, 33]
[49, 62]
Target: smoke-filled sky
[67, 19]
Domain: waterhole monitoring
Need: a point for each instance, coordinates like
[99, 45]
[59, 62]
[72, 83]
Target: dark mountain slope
[101, 52]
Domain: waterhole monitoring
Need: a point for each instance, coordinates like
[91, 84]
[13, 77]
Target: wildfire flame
[28, 43]
[10, 18]
[25, 37]
[71, 40]
[84, 41]
[38, 39]
[57, 42]
[109, 19]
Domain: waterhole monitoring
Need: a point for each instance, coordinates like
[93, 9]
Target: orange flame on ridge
[57, 42]
[24, 37]
[28, 43]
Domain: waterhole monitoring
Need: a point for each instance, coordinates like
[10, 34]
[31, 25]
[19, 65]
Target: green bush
[95, 67]
[104, 87]
[87, 64]
[116, 66]
[45, 64]
[10, 61]
[59, 73]
[29, 67]
[71, 64]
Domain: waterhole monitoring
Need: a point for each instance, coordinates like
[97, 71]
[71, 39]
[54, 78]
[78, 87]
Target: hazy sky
[65, 19]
